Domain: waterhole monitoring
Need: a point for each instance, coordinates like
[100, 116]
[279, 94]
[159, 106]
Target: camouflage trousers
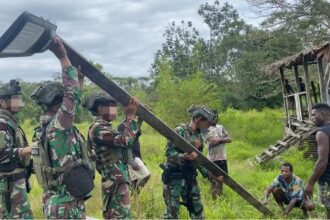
[69, 210]
[117, 202]
[15, 194]
[177, 189]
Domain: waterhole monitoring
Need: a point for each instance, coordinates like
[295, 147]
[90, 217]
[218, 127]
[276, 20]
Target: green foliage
[251, 132]
[178, 95]
[178, 49]
[236, 53]
[307, 20]
[256, 128]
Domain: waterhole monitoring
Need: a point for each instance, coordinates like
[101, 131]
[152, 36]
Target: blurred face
[15, 103]
[317, 117]
[108, 111]
[202, 123]
[285, 172]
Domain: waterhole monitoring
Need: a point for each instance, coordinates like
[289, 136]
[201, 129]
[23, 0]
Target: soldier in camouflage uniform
[60, 102]
[14, 156]
[179, 176]
[111, 148]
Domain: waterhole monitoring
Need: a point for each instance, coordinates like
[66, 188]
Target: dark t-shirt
[325, 178]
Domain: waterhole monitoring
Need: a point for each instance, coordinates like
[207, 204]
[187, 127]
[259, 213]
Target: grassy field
[251, 132]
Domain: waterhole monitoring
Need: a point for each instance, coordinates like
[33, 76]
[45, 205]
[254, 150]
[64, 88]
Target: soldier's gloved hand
[130, 109]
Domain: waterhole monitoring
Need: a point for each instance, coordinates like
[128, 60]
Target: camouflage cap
[199, 110]
[94, 100]
[46, 94]
[9, 89]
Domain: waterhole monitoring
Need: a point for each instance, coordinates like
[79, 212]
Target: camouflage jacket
[110, 147]
[175, 156]
[63, 145]
[12, 138]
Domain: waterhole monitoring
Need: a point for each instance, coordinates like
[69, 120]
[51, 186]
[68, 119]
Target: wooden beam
[285, 100]
[323, 89]
[123, 98]
[299, 110]
[314, 92]
[308, 91]
[296, 77]
[327, 76]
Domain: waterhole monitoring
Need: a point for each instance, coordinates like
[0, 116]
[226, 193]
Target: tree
[227, 32]
[308, 20]
[179, 46]
[175, 96]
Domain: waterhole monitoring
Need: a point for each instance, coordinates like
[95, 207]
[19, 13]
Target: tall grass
[251, 131]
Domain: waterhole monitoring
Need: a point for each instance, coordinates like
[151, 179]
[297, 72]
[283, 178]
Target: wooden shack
[305, 79]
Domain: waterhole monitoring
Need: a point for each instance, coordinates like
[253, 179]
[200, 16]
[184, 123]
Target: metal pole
[123, 98]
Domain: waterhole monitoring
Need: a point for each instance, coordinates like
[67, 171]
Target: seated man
[288, 189]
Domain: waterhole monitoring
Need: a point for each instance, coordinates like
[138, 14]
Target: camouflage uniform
[182, 178]
[111, 164]
[64, 149]
[14, 202]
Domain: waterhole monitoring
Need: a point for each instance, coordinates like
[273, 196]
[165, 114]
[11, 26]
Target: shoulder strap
[19, 135]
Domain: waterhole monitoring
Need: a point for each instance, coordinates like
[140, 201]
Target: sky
[122, 35]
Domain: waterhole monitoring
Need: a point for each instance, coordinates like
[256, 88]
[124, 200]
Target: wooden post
[308, 91]
[296, 76]
[299, 109]
[323, 89]
[285, 99]
[314, 92]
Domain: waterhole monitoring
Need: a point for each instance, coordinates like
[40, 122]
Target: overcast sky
[122, 35]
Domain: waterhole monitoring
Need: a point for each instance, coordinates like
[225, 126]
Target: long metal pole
[123, 97]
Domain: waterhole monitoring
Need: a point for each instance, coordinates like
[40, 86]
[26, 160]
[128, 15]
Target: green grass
[251, 131]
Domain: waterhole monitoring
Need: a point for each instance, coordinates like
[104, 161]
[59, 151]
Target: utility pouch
[39, 165]
[175, 176]
[78, 179]
[5, 205]
[6, 161]
[166, 175]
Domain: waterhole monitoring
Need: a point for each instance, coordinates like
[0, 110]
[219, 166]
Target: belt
[13, 177]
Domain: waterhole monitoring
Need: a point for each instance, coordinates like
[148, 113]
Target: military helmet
[199, 110]
[45, 95]
[215, 116]
[96, 99]
[9, 89]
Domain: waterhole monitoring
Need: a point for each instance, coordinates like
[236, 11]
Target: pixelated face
[203, 123]
[15, 103]
[285, 172]
[317, 117]
[108, 112]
